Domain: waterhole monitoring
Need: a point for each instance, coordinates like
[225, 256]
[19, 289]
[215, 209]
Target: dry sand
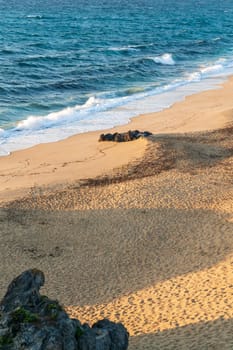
[150, 243]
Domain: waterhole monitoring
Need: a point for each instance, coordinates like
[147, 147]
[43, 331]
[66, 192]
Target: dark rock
[32, 321]
[125, 136]
[135, 134]
[116, 137]
[87, 340]
[23, 290]
[119, 137]
[108, 137]
[101, 138]
[147, 133]
[117, 333]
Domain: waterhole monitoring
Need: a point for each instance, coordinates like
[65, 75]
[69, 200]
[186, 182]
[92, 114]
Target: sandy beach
[139, 232]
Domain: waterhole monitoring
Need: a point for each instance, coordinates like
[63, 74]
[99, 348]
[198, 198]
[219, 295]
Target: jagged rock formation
[32, 321]
[124, 136]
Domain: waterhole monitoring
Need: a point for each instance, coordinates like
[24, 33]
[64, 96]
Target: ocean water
[73, 66]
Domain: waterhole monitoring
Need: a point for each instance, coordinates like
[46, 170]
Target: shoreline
[58, 164]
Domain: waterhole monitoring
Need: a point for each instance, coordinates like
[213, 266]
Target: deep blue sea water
[72, 66]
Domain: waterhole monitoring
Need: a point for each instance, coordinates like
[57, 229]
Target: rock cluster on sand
[32, 321]
[124, 136]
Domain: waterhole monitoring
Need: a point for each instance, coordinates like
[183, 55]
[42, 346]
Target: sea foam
[165, 59]
[35, 16]
[105, 111]
[220, 67]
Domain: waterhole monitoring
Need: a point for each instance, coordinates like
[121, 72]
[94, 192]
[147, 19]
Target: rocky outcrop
[32, 321]
[124, 136]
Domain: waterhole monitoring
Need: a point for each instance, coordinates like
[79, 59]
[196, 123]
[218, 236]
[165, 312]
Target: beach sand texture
[148, 243]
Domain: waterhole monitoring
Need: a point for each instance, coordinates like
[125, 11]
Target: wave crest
[64, 116]
[165, 59]
[207, 72]
[35, 16]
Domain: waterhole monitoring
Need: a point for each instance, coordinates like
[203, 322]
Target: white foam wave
[78, 113]
[84, 113]
[166, 59]
[214, 70]
[124, 48]
[107, 110]
[129, 47]
[57, 118]
[35, 16]
[200, 41]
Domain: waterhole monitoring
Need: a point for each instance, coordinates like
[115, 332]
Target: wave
[135, 47]
[165, 59]
[34, 16]
[201, 42]
[109, 101]
[219, 68]
[67, 115]
[105, 110]
[124, 48]
[9, 51]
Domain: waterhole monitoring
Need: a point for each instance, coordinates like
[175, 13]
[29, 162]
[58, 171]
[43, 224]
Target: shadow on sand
[90, 257]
